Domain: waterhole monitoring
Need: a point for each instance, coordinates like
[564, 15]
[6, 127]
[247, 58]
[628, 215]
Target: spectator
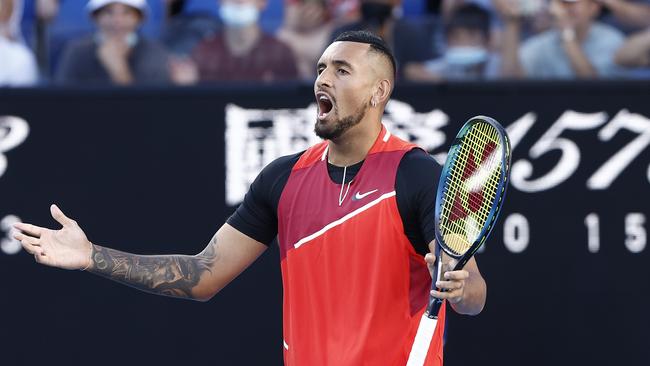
[449, 7]
[412, 43]
[189, 22]
[577, 46]
[468, 54]
[116, 54]
[34, 12]
[306, 29]
[241, 52]
[635, 53]
[17, 63]
[628, 14]
[343, 11]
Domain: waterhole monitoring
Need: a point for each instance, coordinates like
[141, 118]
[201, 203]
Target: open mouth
[325, 105]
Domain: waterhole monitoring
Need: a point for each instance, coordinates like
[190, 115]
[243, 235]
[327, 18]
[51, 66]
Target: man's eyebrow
[336, 63]
[342, 63]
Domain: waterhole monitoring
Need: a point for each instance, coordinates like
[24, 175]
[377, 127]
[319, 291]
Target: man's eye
[343, 71]
[320, 71]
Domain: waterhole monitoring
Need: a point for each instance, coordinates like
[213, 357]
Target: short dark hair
[469, 16]
[376, 44]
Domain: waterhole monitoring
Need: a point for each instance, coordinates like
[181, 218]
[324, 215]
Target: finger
[27, 239]
[28, 248]
[432, 246]
[456, 275]
[453, 296]
[449, 285]
[430, 258]
[445, 295]
[60, 217]
[32, 249]
[30, 229]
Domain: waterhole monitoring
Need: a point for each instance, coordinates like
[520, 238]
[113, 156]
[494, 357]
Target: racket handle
[434, 303]
[434, 308]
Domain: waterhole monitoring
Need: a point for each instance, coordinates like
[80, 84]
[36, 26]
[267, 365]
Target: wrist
[568, 35]
[121, 74]
[117, 66]
[89, 262]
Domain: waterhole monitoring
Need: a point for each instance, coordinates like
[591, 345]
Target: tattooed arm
[197, 277]
[171, 275]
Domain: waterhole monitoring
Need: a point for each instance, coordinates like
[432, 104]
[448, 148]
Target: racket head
[472, 187]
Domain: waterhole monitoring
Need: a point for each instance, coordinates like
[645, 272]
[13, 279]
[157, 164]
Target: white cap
[94, 5]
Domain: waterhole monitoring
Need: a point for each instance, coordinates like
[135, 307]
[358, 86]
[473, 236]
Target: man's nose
[323, 80]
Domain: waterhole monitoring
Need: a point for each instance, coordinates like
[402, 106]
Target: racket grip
[434, 303]
[434, 308]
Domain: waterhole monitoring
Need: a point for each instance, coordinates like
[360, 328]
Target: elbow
[476, 310]
[468, 308]
[204, 296]
[633, 54]
[623, 59]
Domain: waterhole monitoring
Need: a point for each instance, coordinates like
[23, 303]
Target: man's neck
[241, 40]
[353, 146]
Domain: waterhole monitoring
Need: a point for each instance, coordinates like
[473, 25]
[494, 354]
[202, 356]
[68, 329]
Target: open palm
[66, 248]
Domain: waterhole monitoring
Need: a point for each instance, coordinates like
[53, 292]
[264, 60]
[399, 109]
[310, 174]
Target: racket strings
[472, 186]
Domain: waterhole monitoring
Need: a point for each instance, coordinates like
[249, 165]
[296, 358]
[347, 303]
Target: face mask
[239, 15]
[466, 56]
[131, 38]
[376, 13]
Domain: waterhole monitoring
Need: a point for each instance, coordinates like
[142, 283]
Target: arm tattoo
[169, 275]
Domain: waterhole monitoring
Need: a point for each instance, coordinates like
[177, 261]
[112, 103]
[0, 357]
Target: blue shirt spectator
[115, 53]
[467, 55]
[543, 56]
[576, 47]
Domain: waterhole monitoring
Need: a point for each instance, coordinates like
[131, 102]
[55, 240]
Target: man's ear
[382, 92]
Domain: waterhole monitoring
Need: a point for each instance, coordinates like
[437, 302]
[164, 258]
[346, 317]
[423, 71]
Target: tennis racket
[469, 198]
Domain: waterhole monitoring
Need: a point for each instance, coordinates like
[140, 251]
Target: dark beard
[341, 125]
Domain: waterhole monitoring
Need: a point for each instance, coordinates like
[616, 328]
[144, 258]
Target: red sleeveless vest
[354, 287]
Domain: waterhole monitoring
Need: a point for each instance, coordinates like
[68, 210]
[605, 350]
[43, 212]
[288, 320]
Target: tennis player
[354, 220]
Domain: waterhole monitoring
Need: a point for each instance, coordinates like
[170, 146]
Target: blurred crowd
[186, 42]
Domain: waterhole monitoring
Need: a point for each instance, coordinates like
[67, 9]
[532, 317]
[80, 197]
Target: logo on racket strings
[474, 178]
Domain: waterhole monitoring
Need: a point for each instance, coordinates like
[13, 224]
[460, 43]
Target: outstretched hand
[452, 283]
[66, 248]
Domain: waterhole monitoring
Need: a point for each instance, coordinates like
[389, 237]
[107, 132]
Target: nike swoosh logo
[360, 195]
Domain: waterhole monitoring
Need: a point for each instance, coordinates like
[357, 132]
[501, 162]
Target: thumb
[432, 246]
[59, 216]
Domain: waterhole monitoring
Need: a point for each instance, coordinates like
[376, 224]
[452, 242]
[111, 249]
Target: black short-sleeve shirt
[415, 189]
